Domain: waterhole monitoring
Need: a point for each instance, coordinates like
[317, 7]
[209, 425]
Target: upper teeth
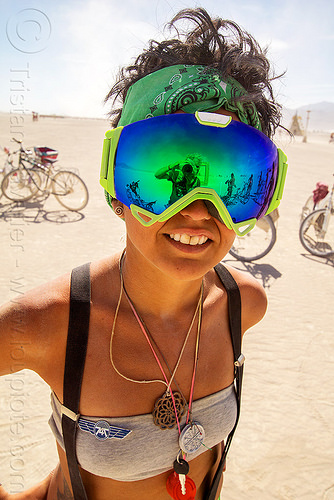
[189, 240]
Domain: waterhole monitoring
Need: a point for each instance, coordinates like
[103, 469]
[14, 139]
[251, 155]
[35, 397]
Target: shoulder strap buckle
[240, 361]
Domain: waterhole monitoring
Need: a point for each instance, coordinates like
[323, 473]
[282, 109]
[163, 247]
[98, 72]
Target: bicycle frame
[47, 169]
[328, 208]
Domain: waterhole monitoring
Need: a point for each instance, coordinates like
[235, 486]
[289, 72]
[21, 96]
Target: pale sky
[63, 55]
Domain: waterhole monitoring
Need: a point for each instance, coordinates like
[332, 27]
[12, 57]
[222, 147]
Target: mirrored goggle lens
[160, 160]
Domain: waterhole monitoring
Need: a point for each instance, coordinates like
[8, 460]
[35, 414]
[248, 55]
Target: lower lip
[189, 248]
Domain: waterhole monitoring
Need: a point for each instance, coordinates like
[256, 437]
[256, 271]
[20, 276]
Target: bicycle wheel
[70, 190]
[20, 185]
[314, 236]
[257, 243]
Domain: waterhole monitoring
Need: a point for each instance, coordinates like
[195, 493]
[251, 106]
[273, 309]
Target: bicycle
[258, 242]
[315, 200]
[316, 232]
[36, 173]
[8, 165]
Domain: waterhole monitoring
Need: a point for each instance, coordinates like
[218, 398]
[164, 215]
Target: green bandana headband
[187, 87]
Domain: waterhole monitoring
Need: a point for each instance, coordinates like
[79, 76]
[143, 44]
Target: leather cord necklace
[170, 407]
[158, 350]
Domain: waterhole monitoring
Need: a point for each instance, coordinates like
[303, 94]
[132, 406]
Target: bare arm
[33, 329]
[37, 492]
[162, 173]
[253, 299]
[33, 333]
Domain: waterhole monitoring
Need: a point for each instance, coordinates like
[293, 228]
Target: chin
[188, 269]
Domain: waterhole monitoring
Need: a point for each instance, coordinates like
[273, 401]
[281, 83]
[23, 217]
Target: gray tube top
[133, 448]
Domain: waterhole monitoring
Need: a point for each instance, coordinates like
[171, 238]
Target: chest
[122, 375]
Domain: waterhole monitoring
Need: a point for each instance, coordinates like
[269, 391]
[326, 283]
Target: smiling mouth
[186, 239]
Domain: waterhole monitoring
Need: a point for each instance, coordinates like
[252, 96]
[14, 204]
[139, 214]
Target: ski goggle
[158, 166]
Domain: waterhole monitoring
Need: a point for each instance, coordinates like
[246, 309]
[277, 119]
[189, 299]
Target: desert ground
[284, 445]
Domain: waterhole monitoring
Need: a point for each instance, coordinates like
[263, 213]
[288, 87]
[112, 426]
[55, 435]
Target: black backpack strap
[234, 312]
[76, 349]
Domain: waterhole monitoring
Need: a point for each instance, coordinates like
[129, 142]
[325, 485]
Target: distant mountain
[321, 116]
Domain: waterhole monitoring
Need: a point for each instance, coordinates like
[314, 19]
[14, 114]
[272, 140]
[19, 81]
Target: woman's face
[187, 245]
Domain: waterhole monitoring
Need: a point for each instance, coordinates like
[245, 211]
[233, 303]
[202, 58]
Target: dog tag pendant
[192, 437]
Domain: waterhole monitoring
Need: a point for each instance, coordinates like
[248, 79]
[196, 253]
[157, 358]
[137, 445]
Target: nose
[197, 210]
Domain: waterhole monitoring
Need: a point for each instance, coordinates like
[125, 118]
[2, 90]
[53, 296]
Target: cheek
[133, 227]
[139, 235]
[230, 237]
[227, 235]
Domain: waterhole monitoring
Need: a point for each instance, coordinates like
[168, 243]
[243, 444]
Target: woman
[157, 398]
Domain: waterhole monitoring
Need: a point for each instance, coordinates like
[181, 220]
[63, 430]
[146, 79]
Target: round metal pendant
[164, 413]
[192, 437]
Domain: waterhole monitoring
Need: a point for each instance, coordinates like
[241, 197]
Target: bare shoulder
[33, 327]
[253, 298]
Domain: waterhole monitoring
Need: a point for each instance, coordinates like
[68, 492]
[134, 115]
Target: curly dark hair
[215, 43]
